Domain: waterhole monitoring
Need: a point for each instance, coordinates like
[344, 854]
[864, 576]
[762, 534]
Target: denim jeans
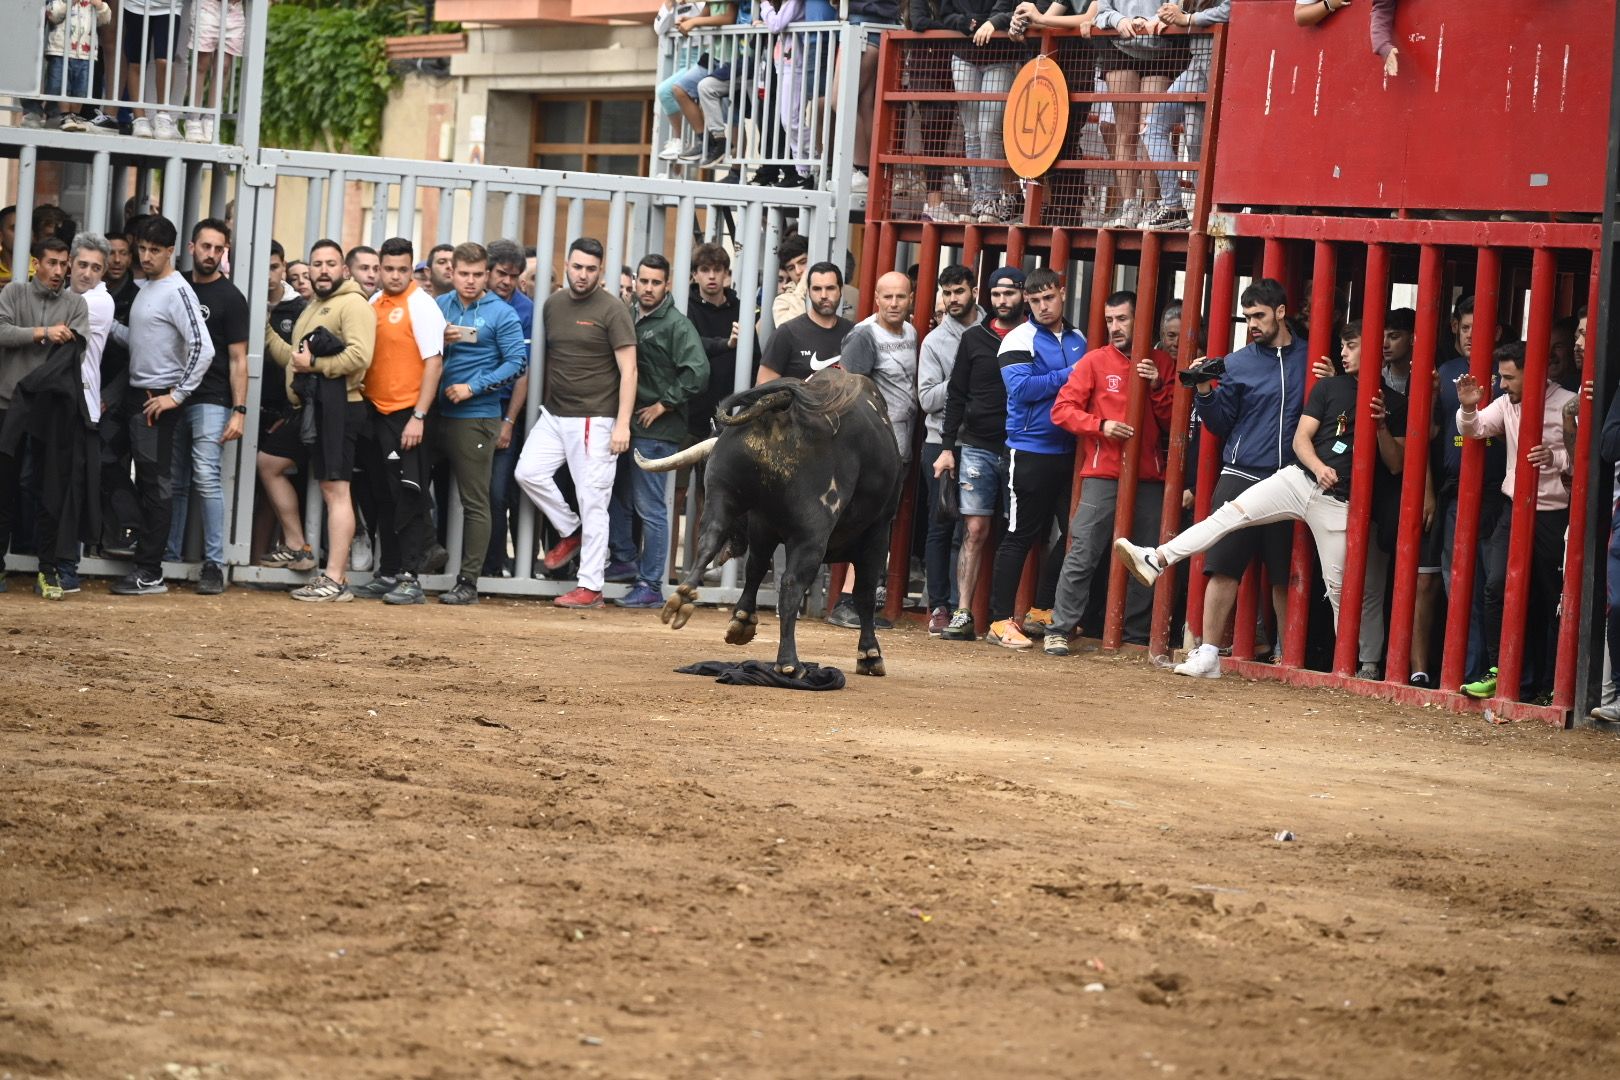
[77, 83]
[643, 492]
[502, 486]
[197, 452]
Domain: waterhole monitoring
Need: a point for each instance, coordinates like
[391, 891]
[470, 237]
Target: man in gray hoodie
[938, 360]
[35, 317]
[169, 353]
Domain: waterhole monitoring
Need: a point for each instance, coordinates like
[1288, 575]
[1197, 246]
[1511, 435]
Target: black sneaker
[714, 152]
[136, 583]
[407, 591]
[436, 559]
[462, 592]
[1421, 680]
[375, 589]
[960, 628]
[211, 582]
[843, 614]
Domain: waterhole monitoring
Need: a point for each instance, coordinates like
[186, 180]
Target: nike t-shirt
[801, 347]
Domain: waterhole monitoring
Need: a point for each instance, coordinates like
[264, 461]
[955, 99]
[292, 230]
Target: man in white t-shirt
[883, 347]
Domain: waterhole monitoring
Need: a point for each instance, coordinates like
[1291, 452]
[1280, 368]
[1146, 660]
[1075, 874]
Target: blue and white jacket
[1256, 407]
[1035, 363]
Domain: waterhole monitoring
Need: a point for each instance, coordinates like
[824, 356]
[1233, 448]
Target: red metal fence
[1523, 274]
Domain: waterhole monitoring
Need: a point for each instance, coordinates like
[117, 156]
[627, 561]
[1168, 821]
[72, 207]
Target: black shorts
[160, 32]
[278, 437]
[1231, 557]
[1434, 543]
[333, 454]
[1168, 61]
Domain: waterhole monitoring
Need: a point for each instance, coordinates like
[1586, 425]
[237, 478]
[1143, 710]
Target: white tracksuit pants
[1290, 494]
[584, 443]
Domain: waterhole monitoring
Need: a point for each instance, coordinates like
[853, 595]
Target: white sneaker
[71, 122]
[163, 127]
[1609, 713]
[857, 183]
[1143, 563]
[671, 150]
[1203, 662]
[141, 128]
[194, 130]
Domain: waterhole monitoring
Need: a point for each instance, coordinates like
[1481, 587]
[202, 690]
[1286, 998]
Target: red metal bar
[1465, 553]
[1402, 695]
[1415, 469]
[887, 83]
[1247, 613]
[972, 241]
[1058, 252]
[871, 241]
[1324, 286]
[1516, 594]
[1467, 234]
[1376, 304]
[1130, 464]
[1571, 616]
[1221, 289]
[1015, 248]
[1175, 470]
[1203, 194]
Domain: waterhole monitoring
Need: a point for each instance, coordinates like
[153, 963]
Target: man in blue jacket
[1255, 409]
[1036, 359]
[484, 353]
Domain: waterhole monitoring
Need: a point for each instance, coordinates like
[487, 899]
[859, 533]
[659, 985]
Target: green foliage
[327, 78]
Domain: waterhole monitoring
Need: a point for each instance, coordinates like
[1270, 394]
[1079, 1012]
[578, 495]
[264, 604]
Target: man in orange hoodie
[1092, 404]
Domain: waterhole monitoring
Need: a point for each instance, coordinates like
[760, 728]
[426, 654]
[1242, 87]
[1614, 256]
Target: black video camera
[1212, 368]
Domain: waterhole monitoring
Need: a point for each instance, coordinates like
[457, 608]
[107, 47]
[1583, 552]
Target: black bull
[811, 466]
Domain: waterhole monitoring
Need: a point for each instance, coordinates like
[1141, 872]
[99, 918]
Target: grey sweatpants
[1290, 494]
[1091, 534]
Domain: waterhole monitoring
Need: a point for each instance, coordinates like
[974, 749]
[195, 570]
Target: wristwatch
[239, 409]
[418, 415]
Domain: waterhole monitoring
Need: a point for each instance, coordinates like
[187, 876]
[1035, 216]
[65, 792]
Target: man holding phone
[484, 352]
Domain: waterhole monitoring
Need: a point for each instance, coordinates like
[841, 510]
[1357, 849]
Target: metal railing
[782, 108]
[191, 76]
[1138, 147]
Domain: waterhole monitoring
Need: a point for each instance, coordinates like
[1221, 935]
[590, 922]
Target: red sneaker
[566, 548]
[579, 597]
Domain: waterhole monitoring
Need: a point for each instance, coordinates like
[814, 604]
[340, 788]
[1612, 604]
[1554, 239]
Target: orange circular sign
[1037, 118]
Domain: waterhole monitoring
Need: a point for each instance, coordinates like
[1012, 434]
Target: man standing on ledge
[585, 419]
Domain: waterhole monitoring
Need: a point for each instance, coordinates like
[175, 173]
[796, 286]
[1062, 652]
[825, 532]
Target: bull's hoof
[741, 629]
[870, 664]
[792, 671]
[678, 608]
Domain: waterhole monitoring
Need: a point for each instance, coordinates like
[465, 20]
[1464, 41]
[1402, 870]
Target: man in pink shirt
[1500, 419]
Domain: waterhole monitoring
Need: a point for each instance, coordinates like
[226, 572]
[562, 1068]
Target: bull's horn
[690, 456]
[780, 399]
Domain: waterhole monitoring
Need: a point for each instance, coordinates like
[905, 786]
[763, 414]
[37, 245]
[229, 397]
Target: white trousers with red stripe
[585, 444]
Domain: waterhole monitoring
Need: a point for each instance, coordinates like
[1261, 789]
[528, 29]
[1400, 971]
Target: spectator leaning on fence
[1094, 406]
[217, 413]
[335, 339]
[671, 369]
[1169, 212]
[71, 31]
[169, 354]
[935, 365]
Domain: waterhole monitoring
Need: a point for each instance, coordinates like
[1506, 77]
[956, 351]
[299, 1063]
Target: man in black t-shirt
[804, 345]
[216, 412]
[1315, 490]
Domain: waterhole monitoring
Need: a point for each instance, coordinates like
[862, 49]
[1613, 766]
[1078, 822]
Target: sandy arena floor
[243, 837]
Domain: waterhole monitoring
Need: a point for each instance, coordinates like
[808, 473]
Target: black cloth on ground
[759, 673]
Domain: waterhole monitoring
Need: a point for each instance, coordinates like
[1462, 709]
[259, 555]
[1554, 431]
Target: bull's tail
[756, 402]
[690, 456]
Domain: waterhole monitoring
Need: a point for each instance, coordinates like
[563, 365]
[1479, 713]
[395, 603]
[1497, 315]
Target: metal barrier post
[1415, 469]
[1222, 291]
[1465, 553]
[1572, 614]
[1324, 284]
[1136, 406]
[1376, 304]
[1526, 477]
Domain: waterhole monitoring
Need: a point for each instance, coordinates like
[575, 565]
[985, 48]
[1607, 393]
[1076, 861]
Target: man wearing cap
[975, 428]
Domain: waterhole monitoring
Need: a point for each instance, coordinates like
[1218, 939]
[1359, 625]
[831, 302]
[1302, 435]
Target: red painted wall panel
[1499, 105]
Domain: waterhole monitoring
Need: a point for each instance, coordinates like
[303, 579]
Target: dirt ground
[242, 837]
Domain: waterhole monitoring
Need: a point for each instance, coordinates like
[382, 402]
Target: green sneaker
[47, 585]
[1484, 688]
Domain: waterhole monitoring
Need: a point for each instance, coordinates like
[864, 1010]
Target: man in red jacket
[1092, 404]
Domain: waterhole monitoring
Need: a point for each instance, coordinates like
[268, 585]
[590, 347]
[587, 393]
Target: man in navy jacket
[1255, 409]
[1036, 359]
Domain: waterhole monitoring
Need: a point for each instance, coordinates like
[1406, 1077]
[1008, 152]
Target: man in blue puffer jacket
[1255, 409]
[1036, 359]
